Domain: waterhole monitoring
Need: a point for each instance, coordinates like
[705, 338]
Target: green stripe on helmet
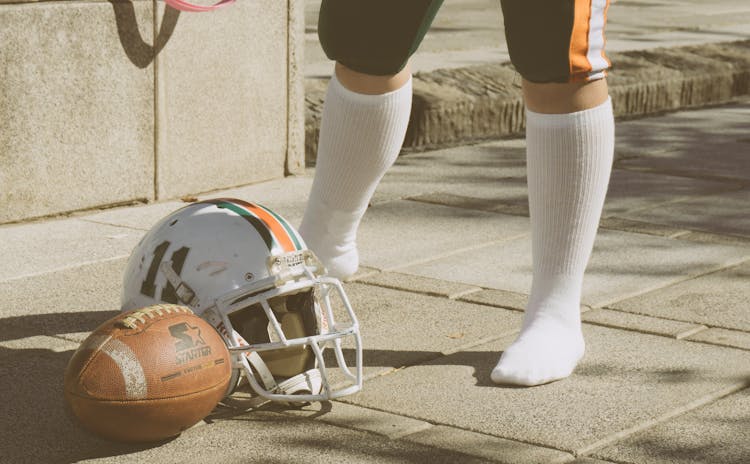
[259, 226]
[286, 226]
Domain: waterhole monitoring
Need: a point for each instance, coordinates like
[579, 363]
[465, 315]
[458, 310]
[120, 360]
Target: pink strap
[185, 6]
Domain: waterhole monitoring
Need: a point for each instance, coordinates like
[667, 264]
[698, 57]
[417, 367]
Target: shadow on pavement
[36, 425]
[17, 327]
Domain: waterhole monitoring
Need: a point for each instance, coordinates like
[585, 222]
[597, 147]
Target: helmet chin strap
[308, 382]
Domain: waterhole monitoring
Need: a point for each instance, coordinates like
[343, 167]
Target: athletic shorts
[548, 40]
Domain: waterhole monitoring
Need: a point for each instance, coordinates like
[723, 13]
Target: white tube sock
[569, 160]
[360, 138]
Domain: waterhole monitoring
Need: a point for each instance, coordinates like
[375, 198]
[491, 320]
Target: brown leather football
[148, 374]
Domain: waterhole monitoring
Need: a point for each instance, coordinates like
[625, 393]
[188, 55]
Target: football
[148, 374]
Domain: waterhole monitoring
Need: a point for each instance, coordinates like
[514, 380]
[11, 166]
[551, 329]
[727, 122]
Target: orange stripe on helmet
[276, 228]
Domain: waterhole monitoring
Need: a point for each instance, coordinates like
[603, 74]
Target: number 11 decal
[148, 288]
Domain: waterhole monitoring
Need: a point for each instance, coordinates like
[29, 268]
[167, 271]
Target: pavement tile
[456, 201]
[491, 171]
[419, 284]
[726, 213]
[278, 439]
[40, 247]
[723, 337]
[628, 190]
[622, 264]
[639, 227]
[89, 287]
[141, 217]
[485, 446]
[718, 300]
[706, 237]
[644, 324]
[685, 136]
[517, 207]
[357, 418]
[286, 197]
[681, 129]
[715, 433]
[71, 301]
[499, 298]
[362, 273]
[403, 328]
[635, 190]
[38, 412]
[626, 379]
[400, 233]
[585, 460]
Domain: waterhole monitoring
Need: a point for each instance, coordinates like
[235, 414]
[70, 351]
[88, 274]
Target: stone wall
[111, 102]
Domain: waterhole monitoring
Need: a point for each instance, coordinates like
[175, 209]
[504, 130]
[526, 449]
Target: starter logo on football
[189, 345]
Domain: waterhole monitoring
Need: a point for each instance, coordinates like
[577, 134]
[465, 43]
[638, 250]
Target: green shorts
[548, 40]
[557, 40]
[374, 36]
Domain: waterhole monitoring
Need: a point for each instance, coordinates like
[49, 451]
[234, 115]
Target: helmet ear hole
[252, 324]
[296, 314]
[303, 303]
[288, 362]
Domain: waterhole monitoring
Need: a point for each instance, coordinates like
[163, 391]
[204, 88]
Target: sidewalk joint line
[739, 181]
[468, 291]
[691, 406]
[678, 336]
[64, 268]
[678, 280]
[690, 332]
[456, 252]
[720, 345]
[625, 312]
[104, 223]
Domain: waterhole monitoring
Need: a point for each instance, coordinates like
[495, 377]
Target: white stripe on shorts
[596, 39]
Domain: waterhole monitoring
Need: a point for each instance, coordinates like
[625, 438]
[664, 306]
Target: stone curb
[464, 105]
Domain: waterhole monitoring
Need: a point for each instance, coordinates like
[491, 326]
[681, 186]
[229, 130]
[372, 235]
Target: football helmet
[246, 271]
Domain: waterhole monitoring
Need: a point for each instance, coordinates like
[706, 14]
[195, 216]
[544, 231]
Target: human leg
[365, 116]
[360, 138]
[570, 144]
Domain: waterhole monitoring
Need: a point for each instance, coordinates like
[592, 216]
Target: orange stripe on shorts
[579, 40]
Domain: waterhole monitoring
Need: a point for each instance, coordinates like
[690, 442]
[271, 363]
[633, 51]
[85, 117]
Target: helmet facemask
[278, 337]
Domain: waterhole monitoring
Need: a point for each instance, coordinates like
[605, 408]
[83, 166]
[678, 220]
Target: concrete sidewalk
[666, 316]
[667, 324]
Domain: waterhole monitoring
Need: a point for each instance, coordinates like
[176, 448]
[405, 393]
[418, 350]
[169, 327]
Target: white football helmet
[245, 270]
